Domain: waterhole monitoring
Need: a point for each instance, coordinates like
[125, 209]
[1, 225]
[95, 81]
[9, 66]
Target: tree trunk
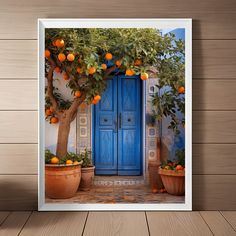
[63, 135]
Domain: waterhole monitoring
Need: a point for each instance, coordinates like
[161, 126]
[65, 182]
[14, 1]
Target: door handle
[120, 120]
[115, 130]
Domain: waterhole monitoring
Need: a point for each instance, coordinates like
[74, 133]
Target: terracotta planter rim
[172, 172]
[88, 168]
[63, 165]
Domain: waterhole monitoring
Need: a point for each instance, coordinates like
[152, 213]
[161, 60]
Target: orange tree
[87, 57]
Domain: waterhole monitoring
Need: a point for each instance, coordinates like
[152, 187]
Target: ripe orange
[48, 112]
[54, 43]
[78, 93]
[54, 160]
[97, 98]
[181, 89]
[78, 69]
[54, 120]
[118, 63]
[144, 76]
[129, 72]
[61, 57]
[108, 56]
[47, 53]
[138, 62]
[154, 190]
[104, 66]
[66, 77]
[94, 101]
[179, 167]
[69, 162]
[70, 57]
[60, 43]
[92, 70]
[57, 69]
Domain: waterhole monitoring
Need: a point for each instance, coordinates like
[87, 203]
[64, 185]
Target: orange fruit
[108, 56]
[48, 112]
[54, 43]
[47, 53]
[181, 89]
[94, 101]
[54, 160]
[179, 167]
[75, 162]
[69, 162]
[144, 76]
[92, 70]
[154, 190]
[61, 57]
[78, 93]
[57, 69]
[97, 98]
[104, 66]
[60, 43]
[138, 62]
[70, 57]
[118, 63]
[78, 69]
[83, 105]
[54, 120]
[66, 77]
[129, 72]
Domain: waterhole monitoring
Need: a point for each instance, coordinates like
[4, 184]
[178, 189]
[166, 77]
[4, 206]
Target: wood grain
[18, 95]
[14, 223]
[230, 216]
[177, 223]
[214, 159]
[18, 127]
[212, 19]
[211, 192]
[214, 127]
[3, 216]
[55, 223]
[19, 158]
[214, 94]
[19, 192]
[218, 225]
[116, 223]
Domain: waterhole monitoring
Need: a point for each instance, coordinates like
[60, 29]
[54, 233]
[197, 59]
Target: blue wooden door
[117, 128]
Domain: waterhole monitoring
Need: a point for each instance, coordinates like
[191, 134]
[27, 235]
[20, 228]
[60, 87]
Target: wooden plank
[18, 127]
[3, 216]
[214, 59]
[230, 216]
[18, 158]
[18, 59]
[116, 223]
[18, 95]
[214, 159]
[55, 223]
[212, 18]
[217, 223]
[177, 223]
[14, 223]
[214, 192]
[214, 127]
[19, 192]
[211, 59]
[214, 94]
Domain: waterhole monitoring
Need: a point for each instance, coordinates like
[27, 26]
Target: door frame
[143, 129]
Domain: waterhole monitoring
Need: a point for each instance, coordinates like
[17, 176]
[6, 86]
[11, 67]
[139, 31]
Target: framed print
[115, 114]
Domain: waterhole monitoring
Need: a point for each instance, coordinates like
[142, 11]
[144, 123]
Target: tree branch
[109, 71]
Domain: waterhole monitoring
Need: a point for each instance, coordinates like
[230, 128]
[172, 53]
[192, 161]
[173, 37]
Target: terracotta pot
[174, 181]
[86, 178]
[154, 178]
[62, 181]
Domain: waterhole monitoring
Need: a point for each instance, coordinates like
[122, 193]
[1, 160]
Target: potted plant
[87, 171]
[62, 176]
[173, 174]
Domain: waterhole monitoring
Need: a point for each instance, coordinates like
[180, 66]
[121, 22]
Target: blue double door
[117, 128]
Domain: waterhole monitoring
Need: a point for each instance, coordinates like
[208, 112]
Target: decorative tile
[83, 120]
[152, 155]
[83, 131]
[152, 143]
[151, 132]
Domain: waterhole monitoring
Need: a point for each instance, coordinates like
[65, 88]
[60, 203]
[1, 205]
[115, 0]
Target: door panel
[105, 149]
[129, 132]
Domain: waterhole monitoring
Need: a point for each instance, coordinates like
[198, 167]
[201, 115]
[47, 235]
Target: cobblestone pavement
[138, 193]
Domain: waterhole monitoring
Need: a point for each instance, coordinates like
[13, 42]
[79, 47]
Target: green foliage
[86, 157]
[48, 156]
[180, 154]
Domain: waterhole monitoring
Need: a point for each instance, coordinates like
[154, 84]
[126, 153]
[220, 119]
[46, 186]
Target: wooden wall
[214, 96]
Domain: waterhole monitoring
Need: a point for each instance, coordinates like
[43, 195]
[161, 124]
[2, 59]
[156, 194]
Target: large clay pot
[62, 181]
[86, 178]
[174, 181]
[154, 178]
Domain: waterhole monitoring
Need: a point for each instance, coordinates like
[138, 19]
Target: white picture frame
[116, 23]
